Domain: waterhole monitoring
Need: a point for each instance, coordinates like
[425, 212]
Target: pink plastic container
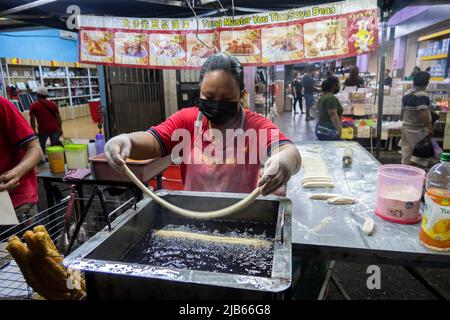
[399, 193]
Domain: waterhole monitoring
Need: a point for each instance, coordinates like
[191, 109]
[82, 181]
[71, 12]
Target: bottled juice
[435, 229]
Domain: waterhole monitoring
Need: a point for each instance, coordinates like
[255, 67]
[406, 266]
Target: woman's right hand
[117, 150]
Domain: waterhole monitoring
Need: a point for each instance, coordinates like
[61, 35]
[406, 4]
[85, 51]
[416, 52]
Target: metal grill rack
[12, 284]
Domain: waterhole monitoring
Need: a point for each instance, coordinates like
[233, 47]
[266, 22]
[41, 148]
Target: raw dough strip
[208, 238]
[323, 196]
[341, 200]
[304, 180]
[195, 214]
[318, 185]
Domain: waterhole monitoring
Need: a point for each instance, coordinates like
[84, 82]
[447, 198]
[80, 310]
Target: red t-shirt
[14, 133]
[185, 119]
[46, 121]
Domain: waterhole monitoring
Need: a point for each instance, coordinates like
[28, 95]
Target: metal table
[334, 232]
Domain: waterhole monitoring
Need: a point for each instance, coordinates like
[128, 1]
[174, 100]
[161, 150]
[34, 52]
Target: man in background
[387, 78]
[46, 113]
[308, 90]
[20, 153]
[297, 87]
[417, 119]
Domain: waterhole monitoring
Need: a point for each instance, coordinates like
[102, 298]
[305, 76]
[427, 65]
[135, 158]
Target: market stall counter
[335, 232]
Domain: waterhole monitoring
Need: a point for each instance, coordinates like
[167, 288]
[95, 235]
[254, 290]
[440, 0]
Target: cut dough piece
[341, 200]
[368, 226]
[318, 185]
[316, 176]
[314, 149]
[323, 196]
[205, 237]
[316, 179]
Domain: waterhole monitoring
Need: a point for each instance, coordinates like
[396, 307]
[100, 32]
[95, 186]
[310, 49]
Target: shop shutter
[135, 99]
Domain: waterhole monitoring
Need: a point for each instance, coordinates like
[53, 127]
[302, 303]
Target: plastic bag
[424, 148]
[437, 149]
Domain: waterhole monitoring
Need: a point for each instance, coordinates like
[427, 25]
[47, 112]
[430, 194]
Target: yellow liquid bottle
[435, 228]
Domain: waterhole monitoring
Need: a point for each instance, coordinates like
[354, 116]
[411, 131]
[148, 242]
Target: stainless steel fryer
[108, 277]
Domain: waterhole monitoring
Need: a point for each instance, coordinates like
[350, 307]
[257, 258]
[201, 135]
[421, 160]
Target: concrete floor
[81, 128]
[396, 282]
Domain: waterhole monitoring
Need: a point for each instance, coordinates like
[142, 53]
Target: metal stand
[96, 192]
[381, 83]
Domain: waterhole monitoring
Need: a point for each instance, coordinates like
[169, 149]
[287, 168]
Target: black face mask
[219, 111]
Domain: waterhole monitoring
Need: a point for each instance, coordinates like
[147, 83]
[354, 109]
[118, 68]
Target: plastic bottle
[435, 229]
[99, 143]
[92, 148]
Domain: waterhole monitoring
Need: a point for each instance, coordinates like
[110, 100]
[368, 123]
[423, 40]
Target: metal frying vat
[108, 277]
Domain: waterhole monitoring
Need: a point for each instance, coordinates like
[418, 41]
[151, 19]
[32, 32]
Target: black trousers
[300, 102]
[54, 139]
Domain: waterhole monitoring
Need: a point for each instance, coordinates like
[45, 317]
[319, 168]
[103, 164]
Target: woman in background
[354, 80]
[330, 111]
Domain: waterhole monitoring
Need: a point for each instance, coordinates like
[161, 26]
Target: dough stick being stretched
[195, 214]
[209, 238]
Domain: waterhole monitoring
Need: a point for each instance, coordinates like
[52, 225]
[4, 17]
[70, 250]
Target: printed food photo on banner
[326, 38]
[282, 43]
[244, 44]
[199, 50]
[363, 31]
[167, 49]
[97, 46]
[131, 48]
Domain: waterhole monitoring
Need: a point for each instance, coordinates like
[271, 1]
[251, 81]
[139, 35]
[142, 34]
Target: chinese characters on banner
[335, 30]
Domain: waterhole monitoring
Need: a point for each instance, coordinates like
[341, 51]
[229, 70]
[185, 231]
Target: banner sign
[324, 32]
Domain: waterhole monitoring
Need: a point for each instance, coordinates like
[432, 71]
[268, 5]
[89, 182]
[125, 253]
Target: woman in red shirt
[212, 159]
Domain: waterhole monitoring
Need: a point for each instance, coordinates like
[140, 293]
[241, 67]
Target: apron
[202, 173]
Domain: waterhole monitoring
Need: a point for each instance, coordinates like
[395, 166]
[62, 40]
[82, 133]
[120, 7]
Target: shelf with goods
[433, 52]
[361, 109]
[55, 79]
[80, 88]
[18, 84]
[70, 85]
